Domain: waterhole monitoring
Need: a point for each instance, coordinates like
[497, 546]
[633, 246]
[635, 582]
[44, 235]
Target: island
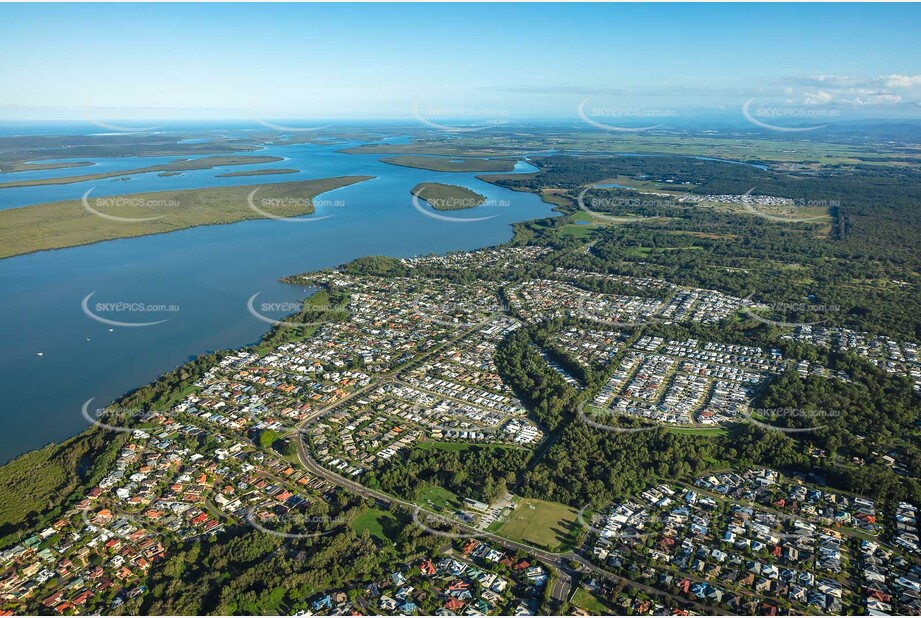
[180, 165]
[266, 172]
[35, 166]
[445, 164]
[80, 222]
[447, 197]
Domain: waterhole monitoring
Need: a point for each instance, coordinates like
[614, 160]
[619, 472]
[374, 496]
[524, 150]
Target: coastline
[62, 216]
[290, 279]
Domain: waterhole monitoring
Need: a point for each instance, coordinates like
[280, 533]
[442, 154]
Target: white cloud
[875, 99]
[902, 81]
[847, 90]
[818, 97]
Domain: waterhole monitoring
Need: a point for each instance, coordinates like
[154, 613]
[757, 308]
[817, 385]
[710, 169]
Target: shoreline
[143, 228]
[288, 279]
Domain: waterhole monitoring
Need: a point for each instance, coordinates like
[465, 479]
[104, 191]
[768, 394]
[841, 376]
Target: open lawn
[380, 524]
[544, 524]
[438, 499]
[574, 230]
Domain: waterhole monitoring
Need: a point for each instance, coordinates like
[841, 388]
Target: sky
[466, 61]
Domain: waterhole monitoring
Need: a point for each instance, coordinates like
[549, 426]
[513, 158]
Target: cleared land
[447, 197]
[268, 172]
[69, 224]
[546, 524]
[380, 524]
[445, 164]
[176, 166]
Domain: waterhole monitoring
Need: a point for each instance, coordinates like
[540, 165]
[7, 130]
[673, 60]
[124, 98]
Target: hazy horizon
[467, 61]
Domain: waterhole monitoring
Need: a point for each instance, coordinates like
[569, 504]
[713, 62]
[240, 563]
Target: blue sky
[453, 61]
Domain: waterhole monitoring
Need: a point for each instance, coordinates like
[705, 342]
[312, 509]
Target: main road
[562, 586]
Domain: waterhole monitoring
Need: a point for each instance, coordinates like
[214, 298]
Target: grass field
[181, 165]
[447, 197]
[69, 224]
[545, 524]
[380, 524]
[574, 230]
[445, 164]
[438, 497]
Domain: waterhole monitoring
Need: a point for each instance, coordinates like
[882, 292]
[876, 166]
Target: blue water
[209, 273]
